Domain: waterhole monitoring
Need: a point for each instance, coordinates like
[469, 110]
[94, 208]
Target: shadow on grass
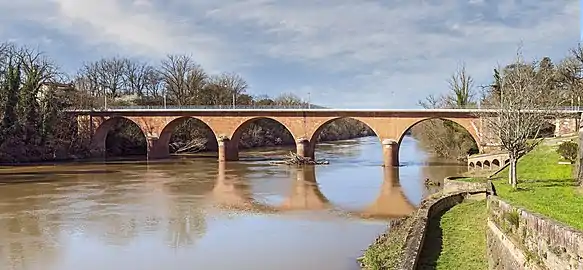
[566, 182]
[433, 243]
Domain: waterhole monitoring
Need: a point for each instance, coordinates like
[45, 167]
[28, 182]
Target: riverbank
[428, 238]
[457, 238]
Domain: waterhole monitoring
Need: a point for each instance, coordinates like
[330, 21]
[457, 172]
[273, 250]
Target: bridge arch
[496, 162]
[472, 165]
[391, 148]
[313, 140]
[236, 136]
[486, 164]
[479, 165]
[467, 125]
[163, 148]
[99, 139]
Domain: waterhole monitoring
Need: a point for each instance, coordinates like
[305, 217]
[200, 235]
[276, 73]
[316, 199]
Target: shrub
[568, 150]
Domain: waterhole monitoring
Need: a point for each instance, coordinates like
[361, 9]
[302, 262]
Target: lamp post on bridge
[233, 99]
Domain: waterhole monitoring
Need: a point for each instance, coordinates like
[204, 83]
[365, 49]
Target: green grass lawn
[462, 231]
[544, 186]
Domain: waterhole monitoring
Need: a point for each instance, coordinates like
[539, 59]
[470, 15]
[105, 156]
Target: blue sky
[345, 53]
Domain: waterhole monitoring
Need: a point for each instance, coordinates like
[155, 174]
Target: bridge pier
[156, 148]
[390, 153]
[303, 148]
[228, 150]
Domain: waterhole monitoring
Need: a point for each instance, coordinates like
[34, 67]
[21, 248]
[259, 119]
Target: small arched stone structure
[496, 163]
[488, 161]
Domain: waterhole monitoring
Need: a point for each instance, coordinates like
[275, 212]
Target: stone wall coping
[477, 156]
[537, 215]
[555, 231]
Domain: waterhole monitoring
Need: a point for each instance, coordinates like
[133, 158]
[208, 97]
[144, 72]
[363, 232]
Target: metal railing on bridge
[205, 107]
[295, 107]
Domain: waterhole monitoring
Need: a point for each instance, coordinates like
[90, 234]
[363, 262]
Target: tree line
[35, 93]
[517, 87]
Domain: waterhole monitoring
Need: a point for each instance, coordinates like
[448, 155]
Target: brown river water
[194, 213]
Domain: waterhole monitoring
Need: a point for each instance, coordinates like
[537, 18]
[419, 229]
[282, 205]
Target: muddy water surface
[187, 213]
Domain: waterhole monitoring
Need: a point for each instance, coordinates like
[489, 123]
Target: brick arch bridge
[226, 125]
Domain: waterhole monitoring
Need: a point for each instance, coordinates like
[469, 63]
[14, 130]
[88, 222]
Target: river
[194, 213]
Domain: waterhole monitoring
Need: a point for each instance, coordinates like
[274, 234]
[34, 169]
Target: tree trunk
[580, 154]
[513, 174]
[510, 168]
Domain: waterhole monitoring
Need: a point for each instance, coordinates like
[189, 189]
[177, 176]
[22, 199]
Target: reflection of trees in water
[184, 189]
[186, 223]
[28, 230]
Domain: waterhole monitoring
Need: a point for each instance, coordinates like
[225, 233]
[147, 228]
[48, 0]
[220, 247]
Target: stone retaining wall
[430, 207]
[518, 239]
[452, 185]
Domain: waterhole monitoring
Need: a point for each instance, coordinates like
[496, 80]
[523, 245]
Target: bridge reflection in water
[184, 213]
[232, 192]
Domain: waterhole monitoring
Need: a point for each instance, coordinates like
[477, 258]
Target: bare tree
[136, 77]
[154, 84]
[523, 109]
[111, 75]
[571, 78]
[445, 138]
[288, 99]
[183, 78]
[103, 77]
[462, 86]
[224, 89]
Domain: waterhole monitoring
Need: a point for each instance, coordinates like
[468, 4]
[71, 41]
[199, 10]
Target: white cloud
[367, 53]
[136, 28]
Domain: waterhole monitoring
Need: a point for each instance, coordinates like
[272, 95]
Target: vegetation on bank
[520, 85]
[546, 187]
[443, 137]
[456, 240]
[34, 94]
[386, 251]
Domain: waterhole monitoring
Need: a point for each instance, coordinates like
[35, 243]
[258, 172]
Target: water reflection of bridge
[231, 192]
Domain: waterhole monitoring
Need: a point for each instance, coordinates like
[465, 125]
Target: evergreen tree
[11, 87]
